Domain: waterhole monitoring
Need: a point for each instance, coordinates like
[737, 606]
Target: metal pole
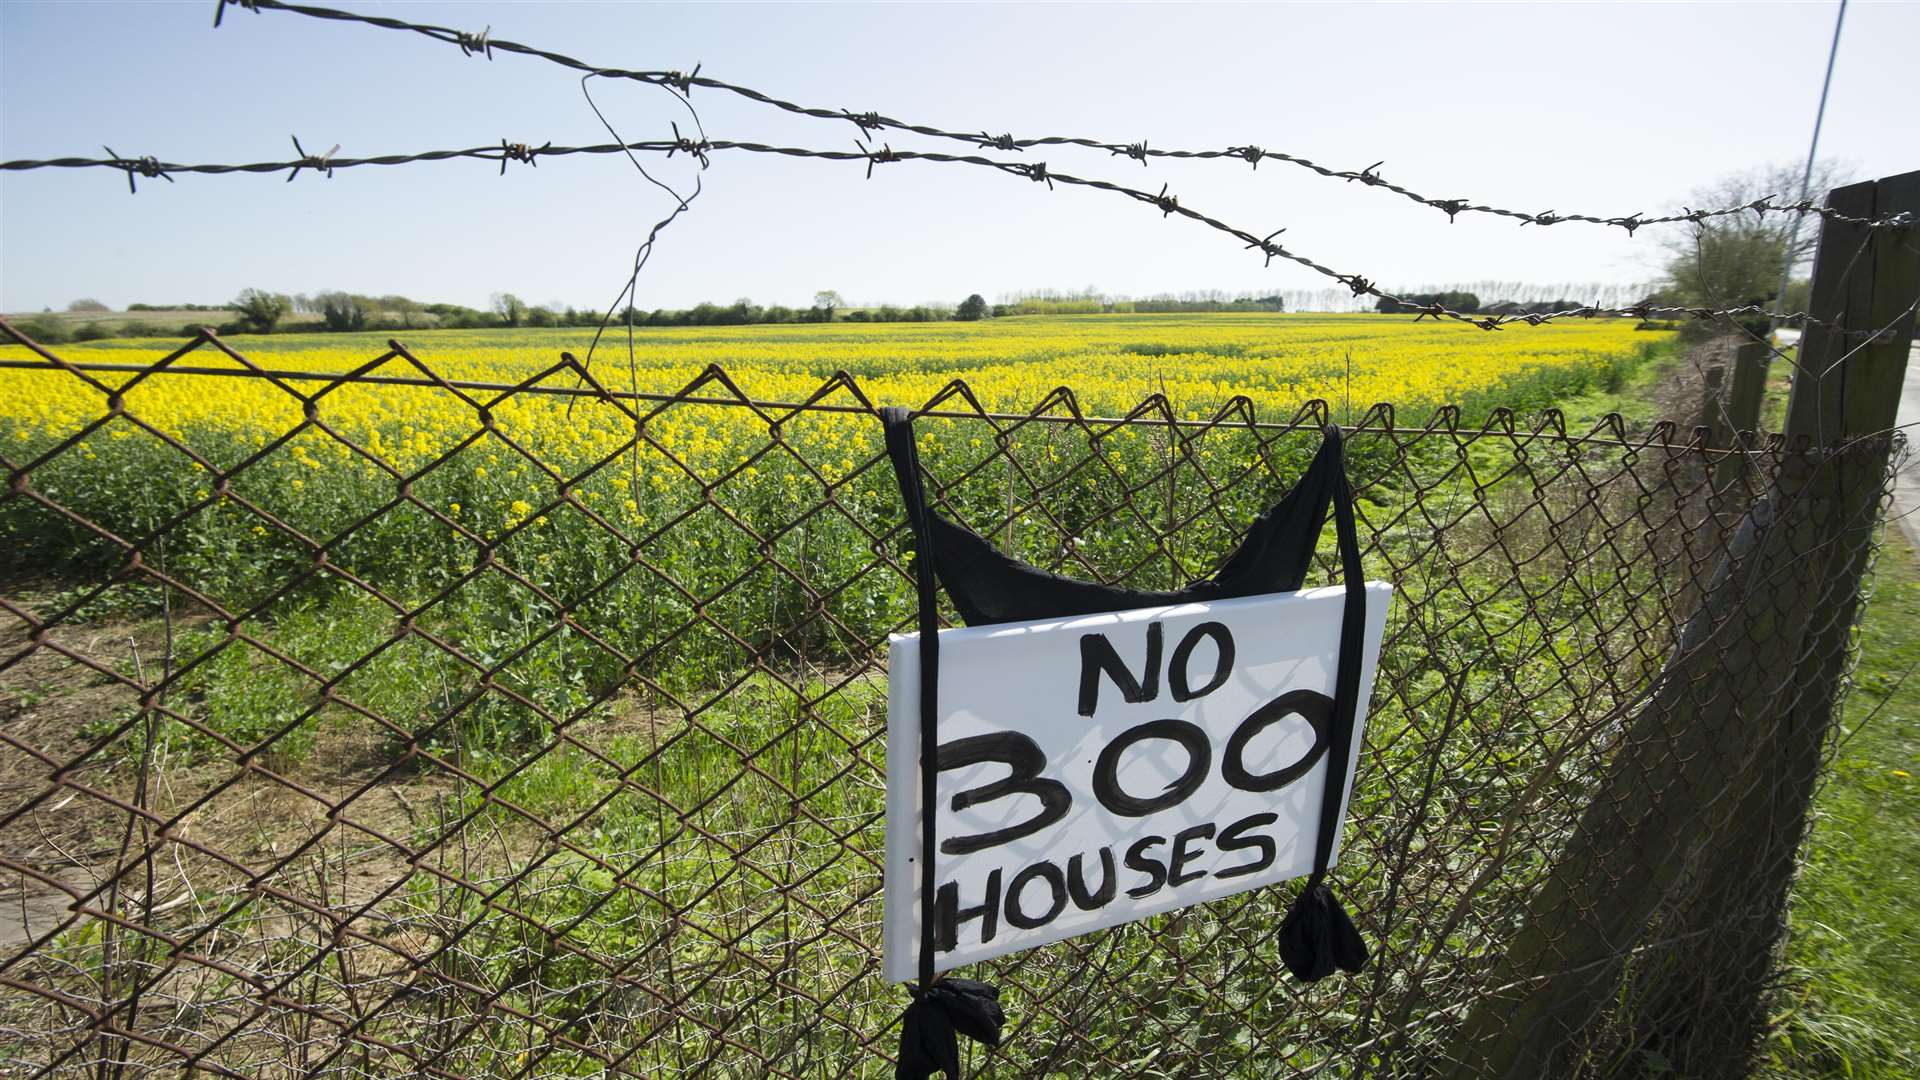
[1806, 177]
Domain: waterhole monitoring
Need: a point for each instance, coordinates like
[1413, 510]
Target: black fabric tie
[950, 1007]
[943, 1009]
[1317, 936]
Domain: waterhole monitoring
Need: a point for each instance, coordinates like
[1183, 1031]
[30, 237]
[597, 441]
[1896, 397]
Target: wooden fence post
[1712, 409]
[1744, 397]
[1749, 386]
[1702, 809]
[1846, 393]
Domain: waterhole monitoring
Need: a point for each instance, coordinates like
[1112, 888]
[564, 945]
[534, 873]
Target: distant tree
[972, 308]
[454, 316]
[401, 309]
[509, 307]
[1799, 295]
[261, 311]
[344, 311]
[87, 304]
[1544, 306]
[825, 302]
[1737, 259]
[46, 331]
[1458, 300]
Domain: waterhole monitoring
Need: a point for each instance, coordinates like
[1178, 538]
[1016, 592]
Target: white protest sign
[1064, 807]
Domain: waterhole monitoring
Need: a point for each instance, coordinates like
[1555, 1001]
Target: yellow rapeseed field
[646, 633]
[645, 514]
[1110, 362]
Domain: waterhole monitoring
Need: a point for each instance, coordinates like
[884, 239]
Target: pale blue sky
[1570, 107]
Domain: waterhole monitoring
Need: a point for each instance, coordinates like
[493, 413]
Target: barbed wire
[484, 44]
[1037, 171]
[701, 147]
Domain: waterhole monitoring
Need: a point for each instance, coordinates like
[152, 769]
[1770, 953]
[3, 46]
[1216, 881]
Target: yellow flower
[520, 508]
[480, 471]
[1903, 774]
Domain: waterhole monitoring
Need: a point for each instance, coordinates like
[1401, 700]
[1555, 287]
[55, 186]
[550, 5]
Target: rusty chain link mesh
[364, 777]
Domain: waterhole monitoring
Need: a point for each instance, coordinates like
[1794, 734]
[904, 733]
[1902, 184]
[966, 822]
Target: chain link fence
[369, 723]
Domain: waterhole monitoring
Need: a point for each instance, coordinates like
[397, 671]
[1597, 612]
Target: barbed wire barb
[146, 166]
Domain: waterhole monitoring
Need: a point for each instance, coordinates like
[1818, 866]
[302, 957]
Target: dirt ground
[65, 827]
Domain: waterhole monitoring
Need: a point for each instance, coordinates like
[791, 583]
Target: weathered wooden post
[1711, 407]
[1846, 393]
[1749, 385]
[1744, 396]
[1702, 808]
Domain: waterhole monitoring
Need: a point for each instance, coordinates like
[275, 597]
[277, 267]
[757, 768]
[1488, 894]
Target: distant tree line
[1093, 302]
[1468, 303]
[262, 311]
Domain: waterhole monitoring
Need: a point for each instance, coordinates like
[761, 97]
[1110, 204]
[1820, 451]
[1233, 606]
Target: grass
[1854, 1008]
